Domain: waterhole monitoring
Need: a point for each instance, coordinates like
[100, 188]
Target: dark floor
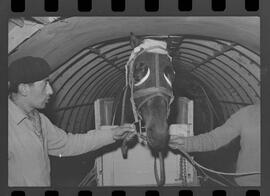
[69, 171]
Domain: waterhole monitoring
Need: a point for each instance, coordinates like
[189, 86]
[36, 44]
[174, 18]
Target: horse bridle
[147, 94]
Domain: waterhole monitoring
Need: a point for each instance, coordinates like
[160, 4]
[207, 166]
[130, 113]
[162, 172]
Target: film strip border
[152, 6]
[145, 193]
[120, 5]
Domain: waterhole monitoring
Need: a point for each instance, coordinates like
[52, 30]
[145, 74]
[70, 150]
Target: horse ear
[134, 41]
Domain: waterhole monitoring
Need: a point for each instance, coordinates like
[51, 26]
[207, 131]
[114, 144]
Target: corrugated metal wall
[88, 57]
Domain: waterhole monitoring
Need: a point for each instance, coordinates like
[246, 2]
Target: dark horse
[149, 79]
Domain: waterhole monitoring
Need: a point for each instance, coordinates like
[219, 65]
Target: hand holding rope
[202, 168]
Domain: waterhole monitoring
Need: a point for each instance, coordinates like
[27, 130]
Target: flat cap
[28, 70]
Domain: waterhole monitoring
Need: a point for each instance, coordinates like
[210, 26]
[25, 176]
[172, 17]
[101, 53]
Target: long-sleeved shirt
[28, 160]
[246, 123]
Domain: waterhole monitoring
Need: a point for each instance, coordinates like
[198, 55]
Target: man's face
[39, 94]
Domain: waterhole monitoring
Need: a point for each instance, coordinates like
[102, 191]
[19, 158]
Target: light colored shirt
[246, 123]
[28, 160]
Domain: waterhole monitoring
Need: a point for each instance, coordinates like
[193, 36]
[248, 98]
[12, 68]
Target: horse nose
[159, 145]
[158, 142]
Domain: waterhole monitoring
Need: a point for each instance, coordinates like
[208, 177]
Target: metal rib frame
[218, 67]
[110, 88]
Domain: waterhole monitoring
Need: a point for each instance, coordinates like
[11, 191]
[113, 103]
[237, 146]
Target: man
[32, 136]
[246, 123]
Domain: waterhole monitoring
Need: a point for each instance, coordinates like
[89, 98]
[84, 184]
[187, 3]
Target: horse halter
[154, 83]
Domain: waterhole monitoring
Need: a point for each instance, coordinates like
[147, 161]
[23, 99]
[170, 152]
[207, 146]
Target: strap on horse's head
[151, 46]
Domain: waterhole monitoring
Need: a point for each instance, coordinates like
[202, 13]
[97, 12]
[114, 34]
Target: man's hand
[122, 131]
[176, 142]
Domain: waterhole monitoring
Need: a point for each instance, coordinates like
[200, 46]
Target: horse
[149, 78]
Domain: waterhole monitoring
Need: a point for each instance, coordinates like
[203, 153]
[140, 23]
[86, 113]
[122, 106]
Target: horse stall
[138, 168]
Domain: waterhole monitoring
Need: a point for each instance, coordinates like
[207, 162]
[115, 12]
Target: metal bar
[233, 79]
[81, 85]
[216, 73]
[100, 93]
[236, 44]
[70, 107]
[80, 58]
[237, 103]
[96, 91]
[208, 38]
[108, 87]
[92, 76]
[76, 61]
[243, 54]
[216, 54]
[101, 71]
[222, 61]
[73, 75]
[89, 112]
[75, 82]
[235, 97]
[83, 56]
[97, 52]
[214, 85]
[86, 97]
[230, 69]
[75, 93]
[83, 120]
[125, 39]
[87, 86]
[223, 55]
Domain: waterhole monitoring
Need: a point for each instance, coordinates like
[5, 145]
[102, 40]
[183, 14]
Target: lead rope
[160, 180]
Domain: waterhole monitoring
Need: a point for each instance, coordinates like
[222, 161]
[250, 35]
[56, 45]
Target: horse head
[151, 76]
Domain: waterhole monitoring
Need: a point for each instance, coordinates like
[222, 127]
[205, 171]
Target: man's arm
[214, 139]
[61, 143]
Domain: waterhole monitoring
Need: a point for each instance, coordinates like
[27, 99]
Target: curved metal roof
[88, 57]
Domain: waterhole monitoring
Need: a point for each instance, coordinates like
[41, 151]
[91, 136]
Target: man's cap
[28, 70]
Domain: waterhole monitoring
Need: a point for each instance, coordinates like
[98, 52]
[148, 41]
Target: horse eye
[169, 75]
[141, 73]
